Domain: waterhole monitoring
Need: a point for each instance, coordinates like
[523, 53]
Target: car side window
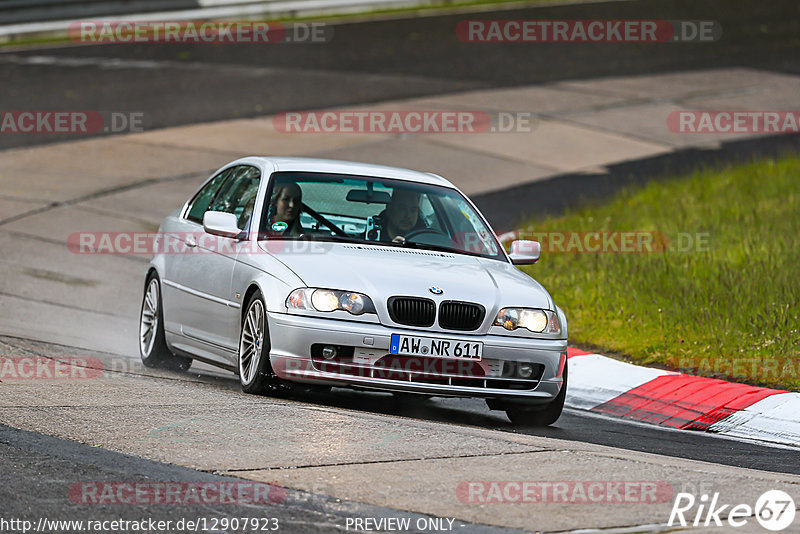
[238, 194]
[199, 204]
[428, 214]
[470, 232]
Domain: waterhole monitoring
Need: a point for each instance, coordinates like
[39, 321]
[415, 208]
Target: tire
[539, 416]
[152, 340]
[255, 371]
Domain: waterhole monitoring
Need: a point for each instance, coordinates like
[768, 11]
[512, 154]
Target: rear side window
[199, 204]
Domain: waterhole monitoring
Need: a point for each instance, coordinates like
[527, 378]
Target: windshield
[375, 210]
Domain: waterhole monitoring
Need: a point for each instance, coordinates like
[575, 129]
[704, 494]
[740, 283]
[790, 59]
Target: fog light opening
[524, 370]
[329, 352]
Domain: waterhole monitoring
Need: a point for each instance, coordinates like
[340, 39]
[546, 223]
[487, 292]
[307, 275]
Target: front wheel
[152, 340]
[538, 416]
[255, 371]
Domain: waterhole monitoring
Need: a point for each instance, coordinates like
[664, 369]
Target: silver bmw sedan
[327, 273]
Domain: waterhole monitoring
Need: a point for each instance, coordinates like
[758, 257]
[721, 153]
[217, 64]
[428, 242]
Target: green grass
[728, 310]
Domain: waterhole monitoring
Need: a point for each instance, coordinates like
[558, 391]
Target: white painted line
[595, 379]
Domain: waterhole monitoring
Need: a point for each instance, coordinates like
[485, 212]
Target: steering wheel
[435, 237]
[421, 231]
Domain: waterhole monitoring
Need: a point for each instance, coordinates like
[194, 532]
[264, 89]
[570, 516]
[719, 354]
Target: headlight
[538, 321]
[355, 303]
[328, 300]
[325, 300]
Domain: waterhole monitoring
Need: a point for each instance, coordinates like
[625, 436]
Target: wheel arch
[249, 292]
[157, 266]
[273, 291]
[562, 317]
[150, 272]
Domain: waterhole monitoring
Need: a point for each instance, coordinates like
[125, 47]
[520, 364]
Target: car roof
[287, 164]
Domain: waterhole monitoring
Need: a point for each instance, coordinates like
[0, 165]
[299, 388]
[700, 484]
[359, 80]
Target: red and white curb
[601, 384]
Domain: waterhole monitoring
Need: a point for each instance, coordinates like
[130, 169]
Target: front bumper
[292, 337]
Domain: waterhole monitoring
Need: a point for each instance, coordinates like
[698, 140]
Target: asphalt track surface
[365, 62]
[40, 471]
[371, 62]
[379, 60]
[574, 425]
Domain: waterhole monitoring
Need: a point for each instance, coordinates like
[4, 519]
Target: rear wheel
[255, 371]
[537, 415]
[152, 340]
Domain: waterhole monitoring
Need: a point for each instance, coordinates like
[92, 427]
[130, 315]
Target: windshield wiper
[426, 246]
[330, 237]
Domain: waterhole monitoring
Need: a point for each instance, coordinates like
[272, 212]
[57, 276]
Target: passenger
[284, 209]
[401, 216]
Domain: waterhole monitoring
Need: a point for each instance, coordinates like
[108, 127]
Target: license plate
[435, 347]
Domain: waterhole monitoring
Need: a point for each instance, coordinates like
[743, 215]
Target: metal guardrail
[18, 11]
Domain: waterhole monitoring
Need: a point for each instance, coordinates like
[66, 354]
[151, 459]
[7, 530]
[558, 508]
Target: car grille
[455, 315]
[412, 311]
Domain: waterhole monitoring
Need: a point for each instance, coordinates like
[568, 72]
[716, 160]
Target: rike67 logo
[774, 510]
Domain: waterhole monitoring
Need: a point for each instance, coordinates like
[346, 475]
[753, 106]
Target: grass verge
[719, 295]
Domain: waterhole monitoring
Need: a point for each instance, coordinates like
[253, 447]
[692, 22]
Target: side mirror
[525, 252]
[221, 224]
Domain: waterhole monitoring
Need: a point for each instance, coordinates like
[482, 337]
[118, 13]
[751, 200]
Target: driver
[401, 216]
[284, 209]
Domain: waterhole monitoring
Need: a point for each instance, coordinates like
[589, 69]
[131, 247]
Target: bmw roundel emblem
[436, 290]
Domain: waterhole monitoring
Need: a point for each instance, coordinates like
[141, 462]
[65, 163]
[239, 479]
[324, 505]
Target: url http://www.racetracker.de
[197, 524]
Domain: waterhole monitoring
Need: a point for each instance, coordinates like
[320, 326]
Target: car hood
[384, 271]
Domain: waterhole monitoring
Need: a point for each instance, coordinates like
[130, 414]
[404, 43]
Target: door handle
[191, 242]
